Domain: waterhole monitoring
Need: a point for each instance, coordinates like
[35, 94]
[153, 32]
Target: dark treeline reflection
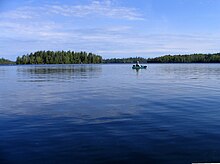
[58, 72]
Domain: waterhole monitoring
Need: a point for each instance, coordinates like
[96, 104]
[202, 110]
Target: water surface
[168, 113]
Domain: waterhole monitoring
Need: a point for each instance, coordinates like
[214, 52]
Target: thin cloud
[96, 8]
[37, 28]
[26, 12]
[99, 8]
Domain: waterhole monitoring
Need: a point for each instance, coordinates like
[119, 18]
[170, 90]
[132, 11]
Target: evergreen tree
[58, 57]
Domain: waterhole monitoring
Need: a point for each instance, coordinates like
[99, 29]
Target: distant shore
[71, 57]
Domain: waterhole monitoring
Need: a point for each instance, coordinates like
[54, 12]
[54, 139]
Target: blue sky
[111, 28]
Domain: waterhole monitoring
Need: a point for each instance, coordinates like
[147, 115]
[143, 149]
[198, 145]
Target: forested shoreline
[6, 61]
[125, 60]
[59, 57]
[193, 58]
[71, 57]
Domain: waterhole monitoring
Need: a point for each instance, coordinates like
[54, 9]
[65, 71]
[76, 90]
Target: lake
[168, 113]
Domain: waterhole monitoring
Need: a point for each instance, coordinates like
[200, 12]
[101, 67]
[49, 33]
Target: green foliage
[59, 57]
[71, 57]
[193, 58]
[6, 61]
[125, 60]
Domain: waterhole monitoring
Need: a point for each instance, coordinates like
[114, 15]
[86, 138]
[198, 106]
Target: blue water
[168, 113]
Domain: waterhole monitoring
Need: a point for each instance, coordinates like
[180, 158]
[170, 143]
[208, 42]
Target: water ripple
[168, 113]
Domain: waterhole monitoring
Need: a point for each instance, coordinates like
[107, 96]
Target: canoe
[139, 67]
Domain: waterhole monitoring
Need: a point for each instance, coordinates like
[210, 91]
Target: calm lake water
[168, 113]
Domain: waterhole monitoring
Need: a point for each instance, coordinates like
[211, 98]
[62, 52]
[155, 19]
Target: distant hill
[6, 61]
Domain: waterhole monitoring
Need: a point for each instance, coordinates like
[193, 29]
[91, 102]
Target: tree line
[193, 58]
[6, 61]
[59, 57]
[125, 60]
[71, 57]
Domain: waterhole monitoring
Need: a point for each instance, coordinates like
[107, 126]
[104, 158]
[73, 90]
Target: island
[59, 57]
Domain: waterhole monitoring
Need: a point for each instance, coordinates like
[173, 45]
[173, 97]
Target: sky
[110, 28]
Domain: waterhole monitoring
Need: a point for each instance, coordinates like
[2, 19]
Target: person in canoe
[138, 64]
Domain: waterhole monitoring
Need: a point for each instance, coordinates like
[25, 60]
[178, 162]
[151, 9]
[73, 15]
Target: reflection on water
[40, 73]
[168, 113]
